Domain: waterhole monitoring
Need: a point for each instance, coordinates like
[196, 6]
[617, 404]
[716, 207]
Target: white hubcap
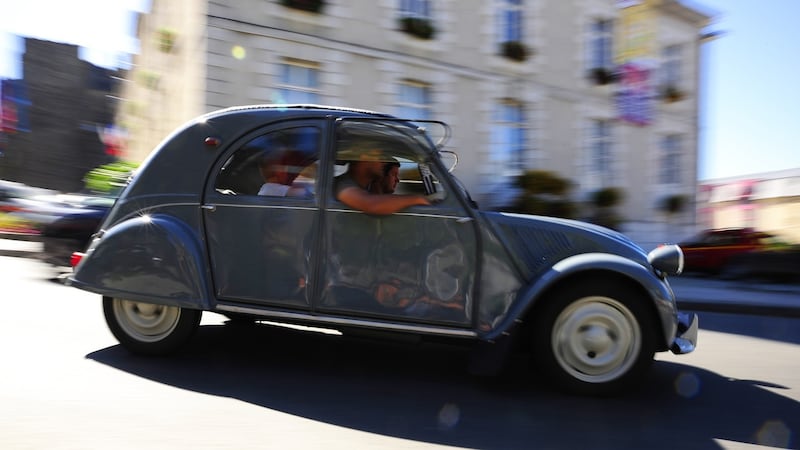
[596, 339]
[146, 322]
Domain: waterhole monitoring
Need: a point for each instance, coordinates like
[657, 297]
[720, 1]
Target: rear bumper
[686, 335]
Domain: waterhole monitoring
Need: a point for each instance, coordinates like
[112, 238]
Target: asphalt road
[67, 385]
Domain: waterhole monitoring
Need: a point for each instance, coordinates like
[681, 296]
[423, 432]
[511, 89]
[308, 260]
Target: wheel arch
[156, 259]
[594, 268]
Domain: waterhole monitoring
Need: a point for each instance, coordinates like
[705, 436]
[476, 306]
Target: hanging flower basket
[602, 76]
[418, 27]
[166, 39]
[514, 50]
[672, 94]
[314, 6]
[673, 204]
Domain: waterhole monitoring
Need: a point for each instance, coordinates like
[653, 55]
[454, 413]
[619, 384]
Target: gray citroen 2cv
[238, 212]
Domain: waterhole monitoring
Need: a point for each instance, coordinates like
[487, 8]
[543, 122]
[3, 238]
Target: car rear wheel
[149, 329]
[594, 338]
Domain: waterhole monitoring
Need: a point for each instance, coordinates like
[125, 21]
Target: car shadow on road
[423, 393]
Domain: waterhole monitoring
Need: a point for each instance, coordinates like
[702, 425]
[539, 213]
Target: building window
[671, 68]
[508, 139]
[420, 9]
[509, 27]
[600, 45]
[413, 100]
[670, 164]
[601, 158]
[298, 83]
[415, 18]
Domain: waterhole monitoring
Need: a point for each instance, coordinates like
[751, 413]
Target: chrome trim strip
[238, 205]
[349, 322]
[409, 214]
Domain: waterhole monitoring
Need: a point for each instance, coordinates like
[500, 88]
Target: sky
[750, 74]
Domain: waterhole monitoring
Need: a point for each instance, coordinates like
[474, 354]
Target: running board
[347, 322]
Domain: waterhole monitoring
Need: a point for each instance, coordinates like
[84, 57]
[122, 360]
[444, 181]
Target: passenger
[279, 174]
[387, 184]
[353, 187]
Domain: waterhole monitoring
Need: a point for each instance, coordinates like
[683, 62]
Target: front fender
[658, 291]
[155, 259]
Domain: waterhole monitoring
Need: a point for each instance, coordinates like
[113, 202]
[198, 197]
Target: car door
[261, 212]
[416, 265]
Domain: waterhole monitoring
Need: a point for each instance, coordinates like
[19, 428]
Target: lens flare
[687, 385]
[238, 52]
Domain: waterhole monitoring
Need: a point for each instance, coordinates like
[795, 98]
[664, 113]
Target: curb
[18, 253]
[20, 236]
[740, 308]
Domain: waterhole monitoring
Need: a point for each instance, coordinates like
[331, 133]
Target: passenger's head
[391, 177]
[283, 167]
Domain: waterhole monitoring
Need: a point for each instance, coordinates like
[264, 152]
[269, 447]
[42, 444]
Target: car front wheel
[594, 338]
[149, 329]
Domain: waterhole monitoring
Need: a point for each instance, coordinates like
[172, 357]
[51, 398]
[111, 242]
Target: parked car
[780, 263]
[712, 250]
[71, 228]
[18, 203]
[190, 234]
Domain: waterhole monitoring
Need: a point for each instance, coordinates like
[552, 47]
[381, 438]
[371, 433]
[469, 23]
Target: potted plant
[417, 26]
[314, 6]
[602, 76]
[514, 50]
[166, 39]
[671, 93]
[604, 200]
[673, 204]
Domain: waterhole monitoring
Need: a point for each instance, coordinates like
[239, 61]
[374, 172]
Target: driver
[353, 187]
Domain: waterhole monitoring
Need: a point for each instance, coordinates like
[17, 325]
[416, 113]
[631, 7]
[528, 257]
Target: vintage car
[190, 234]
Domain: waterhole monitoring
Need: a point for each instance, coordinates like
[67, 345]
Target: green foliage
[417, 26]
[109, 179]
[607, 197]
[674, 203]
[604, 201]
[514, 50]
[545, 193]
[543, 182]
[314, 6]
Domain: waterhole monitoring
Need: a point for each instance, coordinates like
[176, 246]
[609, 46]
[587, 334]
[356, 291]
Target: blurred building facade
[602, 92]
[765, 201]
[54, 116]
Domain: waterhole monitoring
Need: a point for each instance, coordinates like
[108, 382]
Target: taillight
[76, 258]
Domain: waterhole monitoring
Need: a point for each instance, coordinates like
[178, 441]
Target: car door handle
[464, 220]
[211, 208]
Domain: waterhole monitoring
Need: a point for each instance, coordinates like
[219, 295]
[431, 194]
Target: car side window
[280, 163]
[396, 158]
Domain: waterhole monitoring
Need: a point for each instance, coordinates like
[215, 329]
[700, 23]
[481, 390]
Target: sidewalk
[19, 245]
[739, 297]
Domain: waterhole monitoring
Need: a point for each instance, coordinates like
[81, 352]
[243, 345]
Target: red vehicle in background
[712, 250]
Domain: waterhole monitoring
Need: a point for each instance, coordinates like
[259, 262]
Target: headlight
[667, 259]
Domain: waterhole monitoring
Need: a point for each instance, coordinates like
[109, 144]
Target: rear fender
[155, 259]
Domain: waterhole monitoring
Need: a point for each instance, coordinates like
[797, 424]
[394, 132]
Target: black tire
[595, 337]
[149, 329]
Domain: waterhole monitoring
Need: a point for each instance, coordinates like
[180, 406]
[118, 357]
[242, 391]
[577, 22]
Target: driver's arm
[378, 204]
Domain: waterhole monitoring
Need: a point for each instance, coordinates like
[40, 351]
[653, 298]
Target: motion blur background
[659, 118]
